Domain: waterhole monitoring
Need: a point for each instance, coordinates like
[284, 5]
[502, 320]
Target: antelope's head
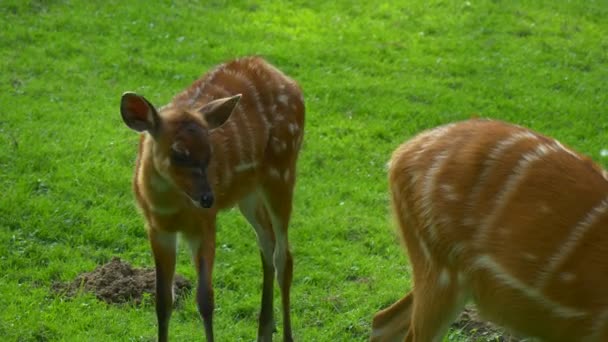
[181, 149]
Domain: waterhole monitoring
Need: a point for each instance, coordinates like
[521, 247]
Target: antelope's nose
[206, 200]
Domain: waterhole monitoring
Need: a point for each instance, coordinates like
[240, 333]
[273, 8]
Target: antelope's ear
[218, 111]
[138, 113]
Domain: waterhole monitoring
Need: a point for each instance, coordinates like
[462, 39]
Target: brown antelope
[231, 138]
[508, 218]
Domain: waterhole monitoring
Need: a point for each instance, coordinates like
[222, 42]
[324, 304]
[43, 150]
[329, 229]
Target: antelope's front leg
[203, 253]
[163, 247]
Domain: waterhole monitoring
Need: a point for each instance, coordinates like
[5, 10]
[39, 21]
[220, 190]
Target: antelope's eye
[182, 159]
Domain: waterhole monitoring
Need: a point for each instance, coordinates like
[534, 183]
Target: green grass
[374, 74]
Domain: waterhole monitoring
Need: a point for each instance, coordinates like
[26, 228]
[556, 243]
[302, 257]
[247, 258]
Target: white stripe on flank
[499, 273]
[269, 83]
[567, 150]
[572, 242]
[207, 82]
[489, 163]
[430, 182]
[225, 175]
[425, 140]
[232, 135]
[425, 250]
[250, 139]
[254, 94]
[510, 187]
[223, 92]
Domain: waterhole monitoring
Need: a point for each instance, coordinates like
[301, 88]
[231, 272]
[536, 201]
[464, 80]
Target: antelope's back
[522, 208]
[264, 133]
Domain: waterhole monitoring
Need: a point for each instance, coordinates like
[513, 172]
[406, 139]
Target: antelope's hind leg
[254, 211]
[438, 299]
[393, 323]
[278, 197]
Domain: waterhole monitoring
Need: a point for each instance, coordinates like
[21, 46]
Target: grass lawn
[374, 74]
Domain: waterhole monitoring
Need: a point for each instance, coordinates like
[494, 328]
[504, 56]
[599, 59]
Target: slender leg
[392, 323]
[254, 211]
[203, 253]
[278, 201]
[435, 306]
[163, 247]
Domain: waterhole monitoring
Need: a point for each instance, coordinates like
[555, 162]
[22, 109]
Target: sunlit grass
[373, 75]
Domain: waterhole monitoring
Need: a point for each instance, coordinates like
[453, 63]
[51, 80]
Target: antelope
[505, 217]
[231, 139]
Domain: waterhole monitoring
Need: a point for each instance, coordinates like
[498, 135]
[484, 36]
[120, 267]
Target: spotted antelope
[231, 138]
[505, 217]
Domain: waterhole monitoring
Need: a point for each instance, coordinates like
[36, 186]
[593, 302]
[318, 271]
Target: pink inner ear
[138, 107]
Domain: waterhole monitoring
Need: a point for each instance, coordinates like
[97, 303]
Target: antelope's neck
[237, 158]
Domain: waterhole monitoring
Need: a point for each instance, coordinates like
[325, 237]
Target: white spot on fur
[283, 99]
[457, 250]
[245, 166]
[444, 278]
[286, 175]
[278, 146]
[166, 163]
[567, 277]
[461, 278]
[529, 256]
[449, 193]
[544, 208]
[274, 172]
[293, 128]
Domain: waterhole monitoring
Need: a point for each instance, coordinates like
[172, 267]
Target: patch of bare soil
[478, 329]
[117, 282]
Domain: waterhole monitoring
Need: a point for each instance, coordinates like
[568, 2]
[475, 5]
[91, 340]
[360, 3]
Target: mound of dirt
[117, 282]
[470, 323]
